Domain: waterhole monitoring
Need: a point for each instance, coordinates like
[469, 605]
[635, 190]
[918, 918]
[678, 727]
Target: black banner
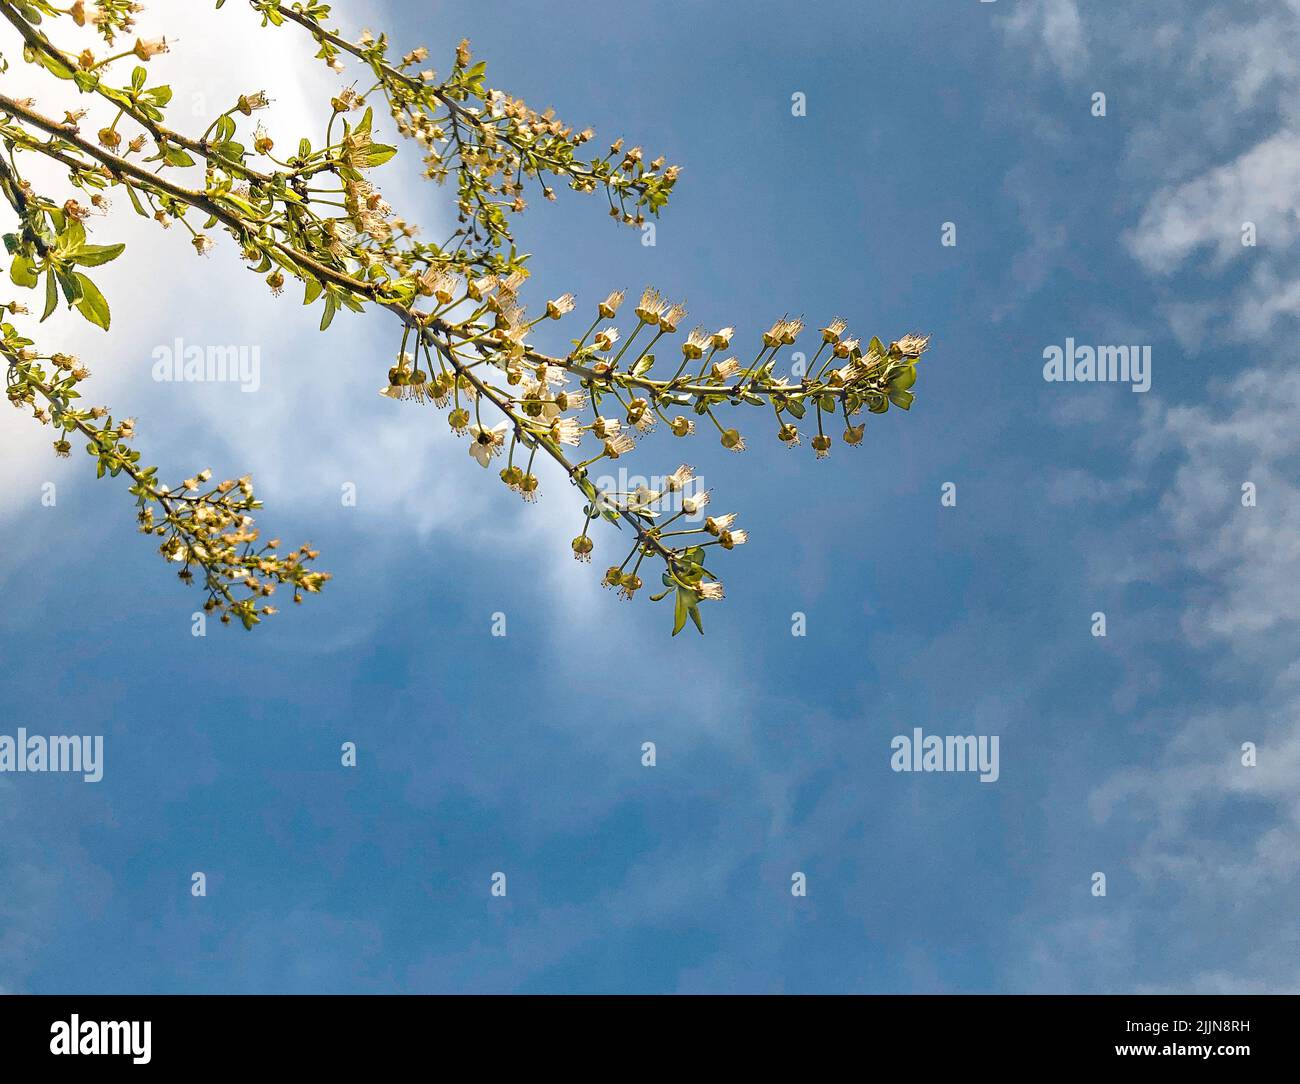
[171, 1034]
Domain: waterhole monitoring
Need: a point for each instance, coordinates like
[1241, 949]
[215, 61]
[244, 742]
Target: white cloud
[1246, 558]
[1196, 86]
[1054, 25]
[1208, 836]
[1209, 211]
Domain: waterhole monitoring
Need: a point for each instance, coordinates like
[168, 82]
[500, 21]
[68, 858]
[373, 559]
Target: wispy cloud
[1210, 211]
[1050, 31]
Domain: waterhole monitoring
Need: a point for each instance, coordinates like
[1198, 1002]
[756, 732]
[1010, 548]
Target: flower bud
[609, 306]
[146, 50]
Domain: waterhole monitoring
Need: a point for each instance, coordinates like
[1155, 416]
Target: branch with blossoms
[204, 527]
[467, 342]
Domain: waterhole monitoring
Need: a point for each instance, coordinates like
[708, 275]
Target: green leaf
[679, 612]
[72, 237]
[51, 296]
[901, 399]
[23, 273]
[903, 379]
[71, 287]
[92, 304]
[177, 156]
[52, 64]
[135, 202]
[95, 255]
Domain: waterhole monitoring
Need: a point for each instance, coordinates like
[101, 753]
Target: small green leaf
[903, 379]
[135, 202]
[679, 612]
[92, 304]
[73, 237]
[54, 65]
[177, 156]
[95, 255]
[71, 287]
[22, 273]
[51, 296]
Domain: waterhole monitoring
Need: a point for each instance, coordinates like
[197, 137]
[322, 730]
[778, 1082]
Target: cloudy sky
[1119, 755]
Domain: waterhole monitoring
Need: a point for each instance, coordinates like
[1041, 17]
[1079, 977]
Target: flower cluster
[315, 213]
[605, 394]
[207, 528]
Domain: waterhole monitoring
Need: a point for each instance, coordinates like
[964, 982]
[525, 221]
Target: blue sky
[522, 753]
